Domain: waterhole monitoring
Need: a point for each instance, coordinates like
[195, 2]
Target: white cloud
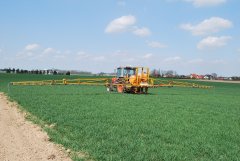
[120, 24]
[142, 32]
[36, 52]
[44, 54]
[156, 44]
[219, 61]
[82, 55]
[129, 59]
[196, 61]
[31, 47]
[99, 58]
[203, 3]
[25, 54]
[1, 53]
[213, 42]
[120, 53]
[172, 62]
[121, 3]
[30, 51]
[59, 56]
[208, 26]
[49, 50]
[127, 24]
[172, 59]
[147, 56]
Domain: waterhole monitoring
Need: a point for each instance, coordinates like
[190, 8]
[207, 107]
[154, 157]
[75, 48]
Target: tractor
[127, 80]
[130, 80]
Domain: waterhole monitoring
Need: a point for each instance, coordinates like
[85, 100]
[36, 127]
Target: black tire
[110, 87]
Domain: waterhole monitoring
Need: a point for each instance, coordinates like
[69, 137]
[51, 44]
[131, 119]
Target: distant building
[183, 77]
[2, 71]
[196, 76]
[208, 77]
[200, 76]
[193, 76]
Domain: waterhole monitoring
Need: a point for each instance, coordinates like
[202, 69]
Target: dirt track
[221, 81]
[20, 140]
[203, 80]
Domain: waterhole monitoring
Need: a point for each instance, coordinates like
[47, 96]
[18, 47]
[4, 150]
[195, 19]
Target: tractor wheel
[133, 90]
[120, 88]
[137, 90]
[110, 87]
[146, 90]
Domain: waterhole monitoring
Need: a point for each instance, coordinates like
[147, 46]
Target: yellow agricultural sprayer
[127, 80]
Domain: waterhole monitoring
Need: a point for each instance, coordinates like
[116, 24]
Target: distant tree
[68, 73]
[170, 72]
[101, 74]
[214, 75]
[55, 72]
[17, 71]
[235, 78]
[155, 73]
[8, 70]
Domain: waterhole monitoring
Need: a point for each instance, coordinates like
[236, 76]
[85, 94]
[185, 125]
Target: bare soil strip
[221, 81]
[21, 140]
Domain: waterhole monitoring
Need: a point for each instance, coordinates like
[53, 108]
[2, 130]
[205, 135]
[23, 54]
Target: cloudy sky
[189, 36]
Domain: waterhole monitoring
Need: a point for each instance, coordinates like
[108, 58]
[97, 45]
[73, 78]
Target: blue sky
[189, 36]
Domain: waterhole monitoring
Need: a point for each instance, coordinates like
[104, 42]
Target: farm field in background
[167, 124]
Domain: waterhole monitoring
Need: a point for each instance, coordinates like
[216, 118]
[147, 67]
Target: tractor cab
[125, 72]
[133, 75]
[131, 80]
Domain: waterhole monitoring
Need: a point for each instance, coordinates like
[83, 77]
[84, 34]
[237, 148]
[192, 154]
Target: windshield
[119, 72]
[125, 72]
[129, 71]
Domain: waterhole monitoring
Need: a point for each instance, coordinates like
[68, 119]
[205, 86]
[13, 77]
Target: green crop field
[167, 124]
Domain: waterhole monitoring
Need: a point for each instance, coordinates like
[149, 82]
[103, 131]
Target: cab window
[119, 72]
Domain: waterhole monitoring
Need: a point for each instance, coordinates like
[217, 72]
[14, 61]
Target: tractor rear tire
[110, 87]
[146, 90]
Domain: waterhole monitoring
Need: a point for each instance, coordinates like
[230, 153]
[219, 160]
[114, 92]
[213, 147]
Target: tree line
[24, 71]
